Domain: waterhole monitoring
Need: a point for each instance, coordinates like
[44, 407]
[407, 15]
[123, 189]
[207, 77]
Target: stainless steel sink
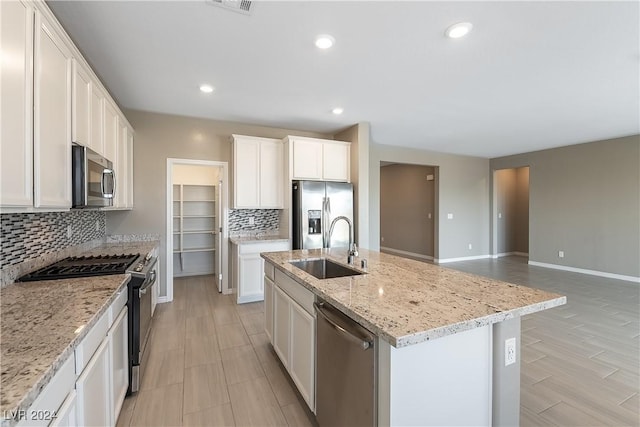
[324, 268]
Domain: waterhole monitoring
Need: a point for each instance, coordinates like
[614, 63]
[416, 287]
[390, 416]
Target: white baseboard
[466, 258]
[503, 254]
[585, 271]
[162, 300]
[411, 254]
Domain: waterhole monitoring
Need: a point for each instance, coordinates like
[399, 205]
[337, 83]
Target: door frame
[494, 215]
[224, 221]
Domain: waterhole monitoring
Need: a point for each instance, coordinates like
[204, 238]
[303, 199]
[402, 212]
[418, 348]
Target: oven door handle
[148, 283]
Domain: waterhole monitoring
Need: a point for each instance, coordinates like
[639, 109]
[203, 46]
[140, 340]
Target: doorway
[511, 212]
[409, 210]
[197, 217]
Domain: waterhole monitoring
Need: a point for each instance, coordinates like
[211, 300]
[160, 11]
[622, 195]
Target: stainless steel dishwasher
[345, 370]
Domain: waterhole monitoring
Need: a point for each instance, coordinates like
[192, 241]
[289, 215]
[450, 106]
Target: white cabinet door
[16, 85]
[302, 359]
[335, 161]
[52, 118]
[246, 173]
[119, 355]
[94, 397]
[67, 416]
[129, 178]
[271, 175]
[268, 308]
[281, 325]
[250, 286]
[307, 159]
[111, 127]
[81, 106]
[97, 120]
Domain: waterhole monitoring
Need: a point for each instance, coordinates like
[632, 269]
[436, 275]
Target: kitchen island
[440, 334]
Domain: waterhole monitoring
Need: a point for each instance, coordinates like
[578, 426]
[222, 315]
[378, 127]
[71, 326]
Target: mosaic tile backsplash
[27, 236]
[264, 220]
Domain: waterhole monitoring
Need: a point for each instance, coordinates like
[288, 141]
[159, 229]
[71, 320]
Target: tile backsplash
[265, 220]
[26, 236]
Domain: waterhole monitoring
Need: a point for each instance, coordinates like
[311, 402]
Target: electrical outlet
[97, 225]
[499, 215]
[252, 220]
[449, 216]
[382, 239]
[69, 232]
[429, 216]
[470, 246]
[560, 254]
[509, 351]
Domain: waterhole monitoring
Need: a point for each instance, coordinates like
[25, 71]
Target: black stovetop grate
[83, 266]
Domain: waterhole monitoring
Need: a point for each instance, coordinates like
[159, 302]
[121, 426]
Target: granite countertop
[42, 322]
[406, 302]
[257, 239]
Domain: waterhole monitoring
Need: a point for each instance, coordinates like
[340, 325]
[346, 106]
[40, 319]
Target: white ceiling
[531, 75]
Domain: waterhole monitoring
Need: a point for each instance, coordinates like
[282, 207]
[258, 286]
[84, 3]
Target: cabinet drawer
[296, 291]
[90, 343]
[52, 396]
[269, 270]
[118, 303]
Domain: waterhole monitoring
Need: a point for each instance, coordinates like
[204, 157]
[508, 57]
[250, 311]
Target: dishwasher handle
[363, 343]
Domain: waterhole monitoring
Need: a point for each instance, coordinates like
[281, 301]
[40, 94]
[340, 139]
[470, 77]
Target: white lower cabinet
[281, 324]
[93, 388]
[294, 331]
[67, 414]
[268, 307]
[247, 268]
[302, 343]
[119, 357]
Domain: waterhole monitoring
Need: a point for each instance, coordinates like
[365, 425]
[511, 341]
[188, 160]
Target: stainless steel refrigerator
[315, 205]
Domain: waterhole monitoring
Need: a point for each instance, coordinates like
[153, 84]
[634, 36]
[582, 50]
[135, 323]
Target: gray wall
[161, 136]
[359, 135]
[406, 200]
[463, 190]
[584, 200]
[512, 202]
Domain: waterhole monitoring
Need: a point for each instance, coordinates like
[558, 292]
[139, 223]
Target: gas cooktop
[83, 266]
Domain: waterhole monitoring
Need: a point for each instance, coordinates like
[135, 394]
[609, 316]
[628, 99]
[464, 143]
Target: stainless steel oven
[143, 278]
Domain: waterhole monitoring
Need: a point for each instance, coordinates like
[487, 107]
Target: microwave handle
[106, 172]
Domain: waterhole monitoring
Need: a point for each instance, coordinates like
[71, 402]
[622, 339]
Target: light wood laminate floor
[579, 362]
[211, 364]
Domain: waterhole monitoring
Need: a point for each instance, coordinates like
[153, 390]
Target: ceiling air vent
[242, 6]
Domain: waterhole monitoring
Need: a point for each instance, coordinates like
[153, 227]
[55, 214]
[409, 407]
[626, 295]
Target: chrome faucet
[353, 250]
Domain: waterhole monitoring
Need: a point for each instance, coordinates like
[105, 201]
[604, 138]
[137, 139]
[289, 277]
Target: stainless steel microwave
[92, 177]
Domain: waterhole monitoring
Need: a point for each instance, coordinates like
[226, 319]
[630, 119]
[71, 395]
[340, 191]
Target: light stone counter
[406, 302]
[41, 324]
[257, 239]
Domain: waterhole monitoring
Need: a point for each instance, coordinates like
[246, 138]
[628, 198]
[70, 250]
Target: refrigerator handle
[327, 218]
[323, 222]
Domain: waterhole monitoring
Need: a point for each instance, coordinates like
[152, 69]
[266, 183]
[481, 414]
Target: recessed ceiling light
[337, 111]
[458, 30]
[324, 41]
[206, 88]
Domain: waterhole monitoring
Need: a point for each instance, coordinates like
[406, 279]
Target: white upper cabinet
[16, 109]
[123, 166]
[258, 173]
[96, 142]
[111, 128]
[81, 106]
[319, 159]
[50, 98]
[52, 117]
